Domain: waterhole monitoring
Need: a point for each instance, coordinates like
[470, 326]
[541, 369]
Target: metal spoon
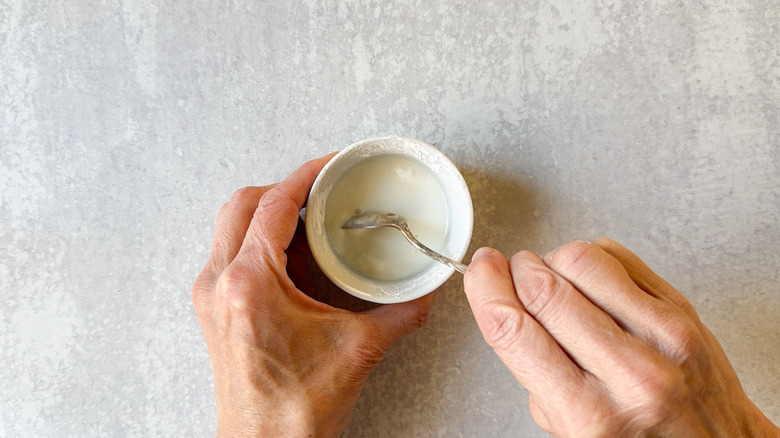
[375, 220]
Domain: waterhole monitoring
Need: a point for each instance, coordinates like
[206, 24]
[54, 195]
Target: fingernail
[483, 252]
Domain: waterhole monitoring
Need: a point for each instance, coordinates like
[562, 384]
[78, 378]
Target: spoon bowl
[376, 220]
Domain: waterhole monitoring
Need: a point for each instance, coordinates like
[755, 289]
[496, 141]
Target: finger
[392, 322]
[590, 336]
[601, 277]
[644, 277]
[604, 280]
[232, 223]
[525, 347]
[276, 218]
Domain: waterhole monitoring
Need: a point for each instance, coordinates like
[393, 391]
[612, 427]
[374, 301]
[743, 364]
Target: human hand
[284, 364]
[605, 347]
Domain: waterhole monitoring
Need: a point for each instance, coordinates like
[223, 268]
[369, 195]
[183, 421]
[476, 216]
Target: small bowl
[460, 220]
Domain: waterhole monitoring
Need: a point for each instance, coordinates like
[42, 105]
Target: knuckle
[664, 385]
[275, 207]
[539, 290]
[244, 195]
[589, 413]
[520, 257]
[223, 213]
[420, 320]
[201, 291]
[223, 210]
[605, 241]
[686, 307]
[601, 422]
[539, 415]
[683, 337]
[572, 251]
[502, 326]
[657, 395]
[571, 257]
[417, 320]
[276, 199]
[270, 197]
[237, 286]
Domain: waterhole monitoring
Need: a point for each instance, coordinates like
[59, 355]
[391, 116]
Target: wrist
[283, 417]
[759, 425]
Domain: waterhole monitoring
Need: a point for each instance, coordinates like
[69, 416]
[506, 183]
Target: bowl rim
[404, 290]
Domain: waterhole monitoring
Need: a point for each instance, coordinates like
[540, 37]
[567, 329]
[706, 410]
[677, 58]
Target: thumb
[373, 332]
[392, 322]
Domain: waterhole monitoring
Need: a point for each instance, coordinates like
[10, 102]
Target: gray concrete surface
[124, 125]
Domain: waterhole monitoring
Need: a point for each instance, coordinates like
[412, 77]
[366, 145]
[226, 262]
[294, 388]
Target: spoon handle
[460, 267]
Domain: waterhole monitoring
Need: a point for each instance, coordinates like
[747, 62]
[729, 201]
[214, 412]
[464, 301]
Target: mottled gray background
[125, 124]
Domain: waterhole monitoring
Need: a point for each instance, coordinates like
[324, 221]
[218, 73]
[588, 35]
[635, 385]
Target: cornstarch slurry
[388, 184]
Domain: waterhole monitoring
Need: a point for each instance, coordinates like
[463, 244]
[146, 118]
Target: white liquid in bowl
[389, 184]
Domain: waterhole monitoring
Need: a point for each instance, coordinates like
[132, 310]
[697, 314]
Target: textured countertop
[124, 125]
